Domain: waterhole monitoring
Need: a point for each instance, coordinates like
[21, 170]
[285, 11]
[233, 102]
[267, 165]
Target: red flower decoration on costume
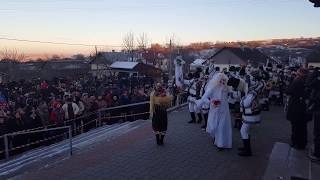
[216, 102]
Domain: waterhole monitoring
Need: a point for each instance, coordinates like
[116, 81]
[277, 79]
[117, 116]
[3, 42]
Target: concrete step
[298, 164]
[286, 163]
[277, 168]
[314, 171]
[79, 143]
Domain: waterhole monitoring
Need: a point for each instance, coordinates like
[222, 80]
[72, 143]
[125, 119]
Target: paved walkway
[188, 153]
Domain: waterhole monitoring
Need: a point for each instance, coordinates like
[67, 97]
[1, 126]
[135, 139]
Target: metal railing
[79, 125]
[8, 149]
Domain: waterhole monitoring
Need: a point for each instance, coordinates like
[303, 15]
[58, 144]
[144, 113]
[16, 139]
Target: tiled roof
[314, 56]
[247, 54]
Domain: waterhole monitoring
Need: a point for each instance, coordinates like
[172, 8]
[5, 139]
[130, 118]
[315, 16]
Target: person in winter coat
[57, 114]
[3, 120]
[56, 119]
[296, 113]
[70, 109]
[79, 120]
[108, 99]
[124, 98]
[81, 106]
[33, 121]
[43, 111]
[101, 102]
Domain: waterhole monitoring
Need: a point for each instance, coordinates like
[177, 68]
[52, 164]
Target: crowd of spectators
[36, 103]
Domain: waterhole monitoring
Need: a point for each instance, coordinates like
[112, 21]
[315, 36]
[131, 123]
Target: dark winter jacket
[297, 102]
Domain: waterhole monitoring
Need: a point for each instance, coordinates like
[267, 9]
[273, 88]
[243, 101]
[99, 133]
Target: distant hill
[289, 43]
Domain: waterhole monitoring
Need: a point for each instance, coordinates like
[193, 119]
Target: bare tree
[46, 57]
[129, 44]
[143, 42]
[55, 57]
[80, 57]
[12, 55]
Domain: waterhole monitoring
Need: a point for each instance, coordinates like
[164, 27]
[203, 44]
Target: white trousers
[193, 108]
[244, 131]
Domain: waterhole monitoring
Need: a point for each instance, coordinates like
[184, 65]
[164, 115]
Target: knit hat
[242, 72]
[232, 69]
[56, 104]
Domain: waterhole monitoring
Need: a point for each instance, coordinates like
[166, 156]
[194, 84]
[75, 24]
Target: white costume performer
[251, 110]
[239, 88]
[194, 94]
[178, 62]
[211, 69]
[193, 89]
[219, 121]
[206, 106]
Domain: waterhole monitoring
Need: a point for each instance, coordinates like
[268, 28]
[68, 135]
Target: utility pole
[97, 63]
[170, 60]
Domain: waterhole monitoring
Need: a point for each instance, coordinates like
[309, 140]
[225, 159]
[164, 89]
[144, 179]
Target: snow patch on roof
[198, 62]
[123, 65]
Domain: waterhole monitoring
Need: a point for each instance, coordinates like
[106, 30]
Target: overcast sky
[105, 22]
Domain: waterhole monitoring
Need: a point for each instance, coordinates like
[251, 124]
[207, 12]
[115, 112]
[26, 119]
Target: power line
[58, 43]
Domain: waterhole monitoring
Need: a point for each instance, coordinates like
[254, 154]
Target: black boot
[243, 147]
[158, 139]
[220, 149]
[247, 148]
[161, 139]
[199, 118]
[193, 117]
[236, 123]
[239, 123]
[267, 106]
[205, 124]
[205, 121]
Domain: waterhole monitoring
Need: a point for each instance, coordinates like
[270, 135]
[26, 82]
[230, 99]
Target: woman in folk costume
[219, 121]
[159, 102]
